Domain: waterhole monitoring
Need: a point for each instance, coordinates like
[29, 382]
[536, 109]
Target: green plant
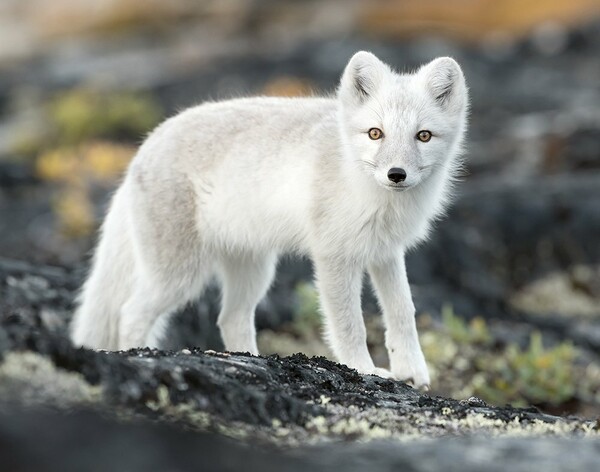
[82, 114]
[535, 375]
[466, 360]
[474, 332]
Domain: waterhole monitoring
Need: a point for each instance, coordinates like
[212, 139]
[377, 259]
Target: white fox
[225, 188]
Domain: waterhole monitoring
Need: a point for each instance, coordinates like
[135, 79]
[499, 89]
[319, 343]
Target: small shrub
[535, 375]
[465, 360]
[475, 332]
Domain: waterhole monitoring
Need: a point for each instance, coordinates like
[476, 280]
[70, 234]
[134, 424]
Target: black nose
[395, 174]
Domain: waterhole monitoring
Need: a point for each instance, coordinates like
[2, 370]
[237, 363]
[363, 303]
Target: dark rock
[583, 149]
[13, 174]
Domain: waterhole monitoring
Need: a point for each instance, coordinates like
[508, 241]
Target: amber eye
[424, 136]
[375, 133]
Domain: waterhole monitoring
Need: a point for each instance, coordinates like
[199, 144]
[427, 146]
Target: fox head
[402, 127]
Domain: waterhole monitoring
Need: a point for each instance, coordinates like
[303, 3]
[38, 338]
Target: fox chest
[371, 233]
[390, 228]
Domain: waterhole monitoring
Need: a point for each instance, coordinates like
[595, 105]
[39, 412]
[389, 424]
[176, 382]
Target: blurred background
[508, 288]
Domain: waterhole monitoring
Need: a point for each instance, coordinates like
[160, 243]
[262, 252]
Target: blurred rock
[572, 293]
[89, 441]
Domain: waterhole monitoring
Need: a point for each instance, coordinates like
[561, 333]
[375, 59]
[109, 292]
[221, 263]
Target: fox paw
[383, 373]
[372, 370]
[421, 382]
[412, 370]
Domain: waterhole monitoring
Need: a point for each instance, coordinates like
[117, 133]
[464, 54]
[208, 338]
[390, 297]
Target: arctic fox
[224, 188]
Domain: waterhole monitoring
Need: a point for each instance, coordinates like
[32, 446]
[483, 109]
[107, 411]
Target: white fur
[225, 188]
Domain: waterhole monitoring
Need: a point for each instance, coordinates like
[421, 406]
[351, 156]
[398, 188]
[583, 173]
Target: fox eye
[424, 135]
[375, 134]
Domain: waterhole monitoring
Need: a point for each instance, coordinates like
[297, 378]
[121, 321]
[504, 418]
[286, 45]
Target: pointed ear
[362, 77]
[445, 82]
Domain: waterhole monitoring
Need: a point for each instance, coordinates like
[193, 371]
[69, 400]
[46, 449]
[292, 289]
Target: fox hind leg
[141, 312]
[170, 263]
[159, 329]
[146, 314]
[245, 281]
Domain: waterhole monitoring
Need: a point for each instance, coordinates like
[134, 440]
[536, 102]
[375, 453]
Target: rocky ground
[296, 412]
[507, 289]
[193, 407]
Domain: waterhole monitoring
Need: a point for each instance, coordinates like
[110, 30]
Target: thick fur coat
[223, 189]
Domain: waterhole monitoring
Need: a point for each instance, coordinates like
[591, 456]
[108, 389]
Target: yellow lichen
[32, 379]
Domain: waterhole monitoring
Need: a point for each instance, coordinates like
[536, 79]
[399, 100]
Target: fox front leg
[407, 361]
[339, 283]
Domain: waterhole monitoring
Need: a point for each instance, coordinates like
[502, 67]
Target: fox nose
[395, 174]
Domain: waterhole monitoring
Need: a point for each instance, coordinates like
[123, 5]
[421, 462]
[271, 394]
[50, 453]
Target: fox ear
[445, 81]
[362, 77]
